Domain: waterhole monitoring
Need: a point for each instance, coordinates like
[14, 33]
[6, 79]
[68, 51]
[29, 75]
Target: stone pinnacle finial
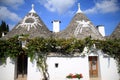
[32, 6]
[79, 10]
[32, 10]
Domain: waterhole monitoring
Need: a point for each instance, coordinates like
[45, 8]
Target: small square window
[56, 65]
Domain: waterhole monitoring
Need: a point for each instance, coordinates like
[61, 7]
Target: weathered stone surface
[90, 30]
[31, 25]
[116, 32]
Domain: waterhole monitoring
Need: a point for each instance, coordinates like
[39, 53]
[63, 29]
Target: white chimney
[101, 29]
[3, 34]
[56, 25]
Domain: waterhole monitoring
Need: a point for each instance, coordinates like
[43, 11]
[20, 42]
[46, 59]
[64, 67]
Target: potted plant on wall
[74, 76]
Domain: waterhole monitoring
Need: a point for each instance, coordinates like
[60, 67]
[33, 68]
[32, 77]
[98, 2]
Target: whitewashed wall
[67, 65]
[108, 69]
[7, 71]
[33, 72]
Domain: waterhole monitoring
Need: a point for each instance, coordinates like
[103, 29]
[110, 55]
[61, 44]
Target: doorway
[22, 67]
[93, 66]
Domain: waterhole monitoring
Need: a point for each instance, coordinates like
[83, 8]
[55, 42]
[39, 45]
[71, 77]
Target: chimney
[101, 29]
[56, 25]
[3, 34]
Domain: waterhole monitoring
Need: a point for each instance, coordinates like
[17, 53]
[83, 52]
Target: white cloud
[11, 26]
[12, 3]
[6, 14]
[59, 6]
[104, 6]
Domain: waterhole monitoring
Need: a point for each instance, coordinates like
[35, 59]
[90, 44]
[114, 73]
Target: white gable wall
[7, 71]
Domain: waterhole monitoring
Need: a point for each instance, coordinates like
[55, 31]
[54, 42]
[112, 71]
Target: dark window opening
[56, 65]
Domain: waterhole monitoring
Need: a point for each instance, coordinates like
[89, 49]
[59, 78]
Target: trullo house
[91, 64]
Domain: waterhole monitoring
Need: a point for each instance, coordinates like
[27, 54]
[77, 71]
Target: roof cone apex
[79, 10]
[32, 10]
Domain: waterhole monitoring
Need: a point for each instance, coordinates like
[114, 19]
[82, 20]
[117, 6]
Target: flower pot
[74, 79]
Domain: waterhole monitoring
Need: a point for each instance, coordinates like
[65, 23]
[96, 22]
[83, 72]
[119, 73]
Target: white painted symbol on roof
[81, 25]
[29, 22]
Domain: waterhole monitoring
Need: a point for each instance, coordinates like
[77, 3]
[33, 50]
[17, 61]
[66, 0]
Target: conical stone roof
[116, 32]
[80, 27]
[31, 25]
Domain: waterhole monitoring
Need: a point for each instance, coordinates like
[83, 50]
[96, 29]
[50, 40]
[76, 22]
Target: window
[56, 65]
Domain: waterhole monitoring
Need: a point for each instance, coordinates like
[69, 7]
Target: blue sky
[100, 12]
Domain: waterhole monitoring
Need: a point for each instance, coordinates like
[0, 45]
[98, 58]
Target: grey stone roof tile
[87, 31]
[31, 25]
[116, 32]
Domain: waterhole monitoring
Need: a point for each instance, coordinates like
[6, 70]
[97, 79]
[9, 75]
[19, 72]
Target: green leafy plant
[41, 47]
